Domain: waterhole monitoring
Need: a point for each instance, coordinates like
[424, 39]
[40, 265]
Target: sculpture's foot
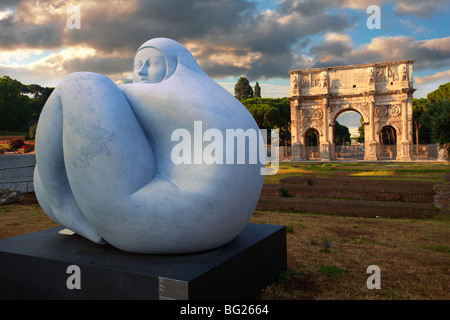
[66, 232]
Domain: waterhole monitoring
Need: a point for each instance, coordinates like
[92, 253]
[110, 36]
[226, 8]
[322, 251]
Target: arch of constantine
[380, 92]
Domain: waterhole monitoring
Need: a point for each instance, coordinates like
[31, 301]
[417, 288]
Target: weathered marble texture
[104, 167]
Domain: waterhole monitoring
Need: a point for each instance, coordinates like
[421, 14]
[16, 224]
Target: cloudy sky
[261, 40]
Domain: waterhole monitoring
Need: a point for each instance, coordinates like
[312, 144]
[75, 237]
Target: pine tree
[257, 90]
[242, 89]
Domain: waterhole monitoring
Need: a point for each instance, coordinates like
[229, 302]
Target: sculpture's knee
[78, 82]
[84, 76]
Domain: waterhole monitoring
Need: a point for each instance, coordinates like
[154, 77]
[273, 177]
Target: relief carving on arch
[394, 110]
[317, 114]
[393, 73]
[306, 114]
[405, 150]
[403, 72]
[372, 149]
[362, 109]
[370, 74]
[315, 80]
[295, 83]
[381, 111]
[380, 74]
[305, 81]
[323, 77]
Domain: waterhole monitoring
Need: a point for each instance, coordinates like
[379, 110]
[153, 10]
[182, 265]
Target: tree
[436, 115]
[20, 105]
[422, 132]
[271, 113]
[312, 138]
[437, 118]
[46, 92]
[15, 110]
[242, 89]
[361, 131]
[388, 136]
[341, 134]
[32, 131]
[441, 93]
[257, 90]
[34, 89]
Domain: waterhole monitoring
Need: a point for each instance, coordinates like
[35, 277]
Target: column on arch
[371, 148]
[403, 149]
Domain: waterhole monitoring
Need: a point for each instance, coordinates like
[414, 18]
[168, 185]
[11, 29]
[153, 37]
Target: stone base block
[48, 265]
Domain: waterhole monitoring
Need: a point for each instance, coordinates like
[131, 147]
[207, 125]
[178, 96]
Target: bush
[32, 131]
[285, 193]
[16, 144]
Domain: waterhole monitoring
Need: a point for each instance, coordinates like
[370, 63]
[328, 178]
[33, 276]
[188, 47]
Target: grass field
[413, 171]
[328, 255]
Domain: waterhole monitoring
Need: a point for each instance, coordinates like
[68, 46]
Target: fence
[428, 151]
[284, 153]
[21, 177]
[349, 152]
[388, 152]
[17, 178]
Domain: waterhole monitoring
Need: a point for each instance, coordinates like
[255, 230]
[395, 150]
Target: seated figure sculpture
[103, 157]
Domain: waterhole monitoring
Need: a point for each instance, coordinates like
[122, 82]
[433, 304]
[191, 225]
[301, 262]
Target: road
[16, 171]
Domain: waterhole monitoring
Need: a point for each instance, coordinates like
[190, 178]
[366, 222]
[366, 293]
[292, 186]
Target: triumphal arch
[380, 92]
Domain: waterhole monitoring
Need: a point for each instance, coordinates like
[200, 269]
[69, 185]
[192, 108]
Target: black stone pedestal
[36, 266]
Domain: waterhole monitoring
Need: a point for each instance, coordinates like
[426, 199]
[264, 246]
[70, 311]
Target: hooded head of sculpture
[158, 59]
[150, 65]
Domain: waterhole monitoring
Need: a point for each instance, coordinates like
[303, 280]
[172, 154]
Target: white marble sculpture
[104, 168]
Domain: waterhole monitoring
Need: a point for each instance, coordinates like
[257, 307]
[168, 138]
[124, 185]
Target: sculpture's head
[150, 65]
[159, 58]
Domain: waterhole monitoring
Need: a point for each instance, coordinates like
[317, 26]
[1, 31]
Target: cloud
[228, 38]
[274, 38]
[428, 54]
[442, 77]
[51, 68]
[334, 46]
[415, 27]
[424, 9]
[237, 37]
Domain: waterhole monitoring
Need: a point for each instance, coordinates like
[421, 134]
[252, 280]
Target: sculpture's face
[150, 66]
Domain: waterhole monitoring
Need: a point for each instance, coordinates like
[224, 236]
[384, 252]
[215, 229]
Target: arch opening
[388, 143]
[312, 142]
[349, 135]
